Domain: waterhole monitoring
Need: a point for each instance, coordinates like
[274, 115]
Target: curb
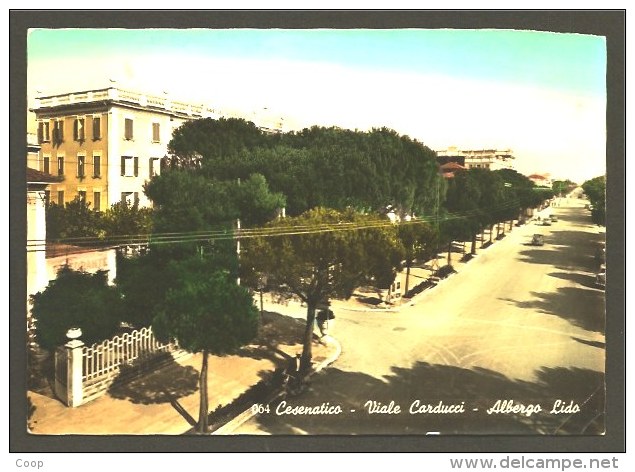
[246, 415]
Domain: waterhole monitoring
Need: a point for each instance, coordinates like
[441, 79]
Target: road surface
[512, 344]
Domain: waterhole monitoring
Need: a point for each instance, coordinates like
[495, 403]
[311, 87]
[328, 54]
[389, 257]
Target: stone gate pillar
[69, 370]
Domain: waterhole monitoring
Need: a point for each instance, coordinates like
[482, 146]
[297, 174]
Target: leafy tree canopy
[595, 190]
[205, 309]
[76, 299]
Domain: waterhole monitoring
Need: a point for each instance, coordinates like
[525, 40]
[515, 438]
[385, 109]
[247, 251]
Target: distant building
[491, 159]
[105, 144]
[541, 180]
[449, 168]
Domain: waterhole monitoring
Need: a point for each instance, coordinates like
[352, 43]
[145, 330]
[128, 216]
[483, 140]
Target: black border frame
[608, 23]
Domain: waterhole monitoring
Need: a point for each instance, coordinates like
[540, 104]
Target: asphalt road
[512, 344]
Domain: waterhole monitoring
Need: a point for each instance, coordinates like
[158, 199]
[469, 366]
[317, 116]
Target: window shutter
[136, 199]
[76, 129]
[123, 166]
[136, 166]
[40, 132]
[96, 127]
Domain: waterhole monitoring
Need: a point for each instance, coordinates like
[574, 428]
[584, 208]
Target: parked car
[600, 277]
[537, 240]
[546, 222]
[554, 218]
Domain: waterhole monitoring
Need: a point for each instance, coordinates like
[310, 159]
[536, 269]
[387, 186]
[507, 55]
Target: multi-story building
[106, 144]
[491, 159]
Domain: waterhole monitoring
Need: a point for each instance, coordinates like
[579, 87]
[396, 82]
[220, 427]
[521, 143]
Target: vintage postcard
[317, 231]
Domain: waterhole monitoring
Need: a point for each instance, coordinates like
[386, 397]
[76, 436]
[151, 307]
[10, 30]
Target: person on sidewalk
[325, 319]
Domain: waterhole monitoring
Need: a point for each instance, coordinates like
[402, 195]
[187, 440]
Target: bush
[76, 299]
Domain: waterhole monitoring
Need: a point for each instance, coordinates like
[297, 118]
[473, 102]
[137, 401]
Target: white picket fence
[102, 363]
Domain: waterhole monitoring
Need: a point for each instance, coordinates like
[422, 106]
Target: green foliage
[563, 187]
[124, 218]
[77, 220]
[73, 220]
[204, 309]
[317, 167]
[187, 200]
[76, 299]
[595, 190]
[197, 141]
[254, 202]
[332, 263]
[342, 251]
[419, 240]
[143, 283]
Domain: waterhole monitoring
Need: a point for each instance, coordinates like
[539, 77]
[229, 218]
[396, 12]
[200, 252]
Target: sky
[540, 94]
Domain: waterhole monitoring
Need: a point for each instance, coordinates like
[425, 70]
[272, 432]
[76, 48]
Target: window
[128, 129]
[47, 197]
[81, 166]
[129, 166]
[96, 127]
[156, 133]
[60, 197]
[44, 132]
[60, 165]
[130, 198]
[58, 132]
[46, 165]
[97, 201]
[78, 129]
[97, 165]
[82, 195]
[154, 166]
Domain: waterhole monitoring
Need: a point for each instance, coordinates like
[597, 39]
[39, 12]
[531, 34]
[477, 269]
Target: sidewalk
[146, 405]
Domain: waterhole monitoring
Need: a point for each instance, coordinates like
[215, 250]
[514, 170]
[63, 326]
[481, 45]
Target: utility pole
[238, 243]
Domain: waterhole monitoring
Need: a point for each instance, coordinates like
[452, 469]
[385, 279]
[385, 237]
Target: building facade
[491, 159]
[106, 144]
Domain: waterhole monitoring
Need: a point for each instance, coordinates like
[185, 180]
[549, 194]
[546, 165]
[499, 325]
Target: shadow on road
[586, 280]
[430, 384]
[580, 306]
[160, 386]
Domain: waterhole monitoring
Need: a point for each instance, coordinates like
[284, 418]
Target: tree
[76, 299]
[465, 207]
[322, 254]
[595, 190]
[196, 143]
[143, 284]
[74, 220]
[562, 187]
[419, 240]
[125, 219]
[205, 311]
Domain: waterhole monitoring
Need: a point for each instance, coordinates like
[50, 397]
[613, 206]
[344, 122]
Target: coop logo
[24, 464]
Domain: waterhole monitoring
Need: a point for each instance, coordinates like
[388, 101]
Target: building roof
[36, 177]
[124, 98]
[452, 166]
[537, 177]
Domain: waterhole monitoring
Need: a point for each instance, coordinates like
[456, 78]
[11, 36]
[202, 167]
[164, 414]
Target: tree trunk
[305, 361]
[203, 412]
[261, 308]
[473, 249]
[408, 263]
[450, 253]
[482, 236]
[491, 230]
